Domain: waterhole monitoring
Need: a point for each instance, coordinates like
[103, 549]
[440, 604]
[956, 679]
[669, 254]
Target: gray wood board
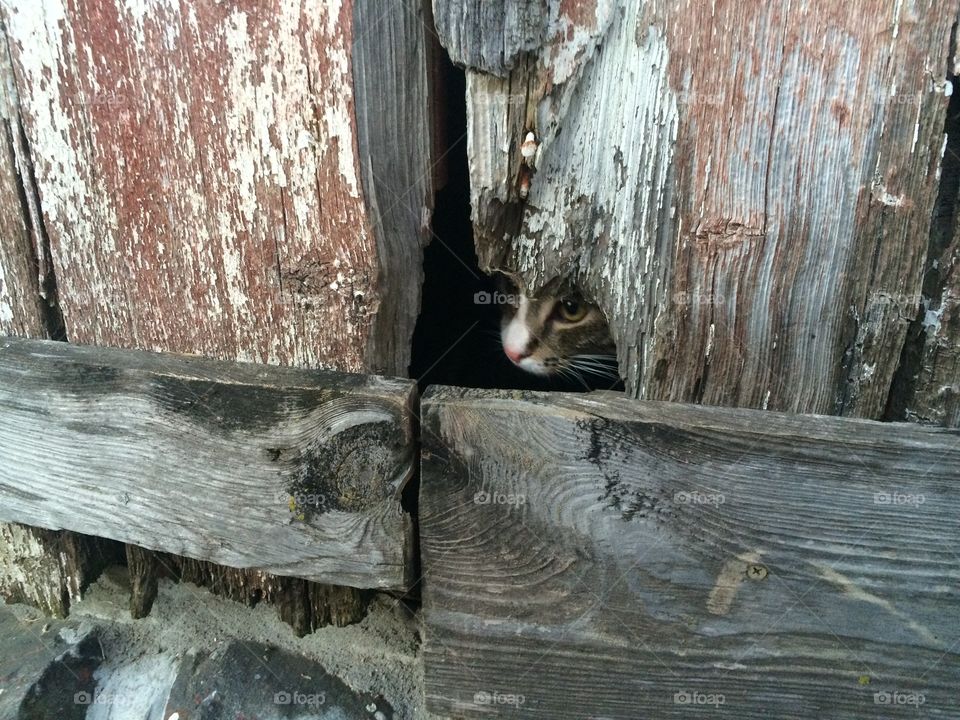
[735, 213]
[291, 471]
[596, 556]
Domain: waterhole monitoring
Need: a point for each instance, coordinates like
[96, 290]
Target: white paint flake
[896, 19]
[880, 193]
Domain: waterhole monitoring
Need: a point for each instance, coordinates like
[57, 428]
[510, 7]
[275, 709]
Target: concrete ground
[199, 657]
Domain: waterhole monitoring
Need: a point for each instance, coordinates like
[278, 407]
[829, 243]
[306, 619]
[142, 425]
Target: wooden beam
[595, 556]
[291, 471]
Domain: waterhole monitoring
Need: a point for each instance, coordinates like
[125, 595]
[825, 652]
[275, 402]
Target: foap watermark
[695, 697]
[111, 100]
[697, 298]
[496, 100]
[692, 98]
[695, 497]
[895, 697]
[313, 501]
[498, 498]
[495, 298]
[100, 698]
[498, 698]
[908, 301]
[893, 497]
[299, 698]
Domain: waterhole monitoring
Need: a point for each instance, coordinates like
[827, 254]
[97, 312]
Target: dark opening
[457, 338]
[905, 379]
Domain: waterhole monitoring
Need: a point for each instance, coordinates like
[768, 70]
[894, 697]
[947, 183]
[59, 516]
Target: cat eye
[571, 309]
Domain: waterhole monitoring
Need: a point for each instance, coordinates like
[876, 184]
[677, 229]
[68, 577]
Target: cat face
[556, 333]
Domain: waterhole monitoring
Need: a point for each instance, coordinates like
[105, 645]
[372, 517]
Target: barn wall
[202, 179]
[746, 190]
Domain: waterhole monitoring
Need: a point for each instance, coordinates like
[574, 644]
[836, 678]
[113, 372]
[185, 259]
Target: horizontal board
[592, 556]
[295, 472]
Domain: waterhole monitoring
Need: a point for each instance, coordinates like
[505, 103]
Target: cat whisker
[578, 359]
[588, 361]
[597, 370]
[574, 374]
[600, 359]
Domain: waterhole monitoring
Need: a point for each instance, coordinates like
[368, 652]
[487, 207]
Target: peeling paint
[882, 195]
[224, 167]
[6, 304]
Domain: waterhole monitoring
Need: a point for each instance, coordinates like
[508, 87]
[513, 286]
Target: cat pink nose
[516, 355]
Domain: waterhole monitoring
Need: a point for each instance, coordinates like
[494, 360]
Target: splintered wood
[746, 189]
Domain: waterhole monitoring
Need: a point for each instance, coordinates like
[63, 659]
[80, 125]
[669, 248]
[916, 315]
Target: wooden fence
[288, 471]
[593, 556]
[582, 555]
[761, 198]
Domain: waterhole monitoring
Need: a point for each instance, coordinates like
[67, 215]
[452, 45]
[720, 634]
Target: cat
[558, 333]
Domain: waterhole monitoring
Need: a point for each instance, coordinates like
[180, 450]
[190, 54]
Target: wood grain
[610, 558]
[23, 307]
[289, 471]
[48, 569]
[202, 183]
[934, 395]
[745, 190]
[393, 94]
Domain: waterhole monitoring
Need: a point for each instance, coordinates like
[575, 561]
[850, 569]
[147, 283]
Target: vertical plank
[737, 213]
[201, 161]
[22, 305]
[936, 397]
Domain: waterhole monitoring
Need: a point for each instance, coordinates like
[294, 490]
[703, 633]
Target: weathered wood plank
[930, 370]
[756, 213]
[393, 94]
[22, 305]
[291, 471]
[937, 391]
[603, 557]
[203, 184]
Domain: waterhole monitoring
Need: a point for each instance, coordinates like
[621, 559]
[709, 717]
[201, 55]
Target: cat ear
[511, 277]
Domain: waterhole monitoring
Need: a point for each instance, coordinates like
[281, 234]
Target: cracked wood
[745, 189]
[288, 471]
[599, 556]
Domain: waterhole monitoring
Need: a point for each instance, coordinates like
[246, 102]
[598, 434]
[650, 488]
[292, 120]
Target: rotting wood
[596, 556]
[745, 189]
[26, 292]
[936, 396]
[288, 471]
[50, 569]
